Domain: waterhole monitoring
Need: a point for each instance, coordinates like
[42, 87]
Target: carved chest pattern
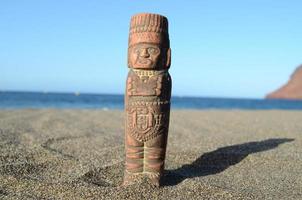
[148, 104]
[145, 82]
[146, 120]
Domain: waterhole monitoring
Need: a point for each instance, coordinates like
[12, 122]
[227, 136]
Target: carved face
[144, 56]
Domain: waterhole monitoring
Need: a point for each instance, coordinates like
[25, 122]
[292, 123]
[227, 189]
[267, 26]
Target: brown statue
[147, 98]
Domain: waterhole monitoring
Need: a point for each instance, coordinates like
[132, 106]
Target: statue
[147, 98]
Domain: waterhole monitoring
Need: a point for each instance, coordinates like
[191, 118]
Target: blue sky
[220, 48]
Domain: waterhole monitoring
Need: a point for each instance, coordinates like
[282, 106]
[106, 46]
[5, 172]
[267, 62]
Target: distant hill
[292, 89]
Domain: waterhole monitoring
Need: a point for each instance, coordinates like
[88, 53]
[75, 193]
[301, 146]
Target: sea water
[16, 100]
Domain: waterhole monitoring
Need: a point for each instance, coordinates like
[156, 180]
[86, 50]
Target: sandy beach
[212, 154]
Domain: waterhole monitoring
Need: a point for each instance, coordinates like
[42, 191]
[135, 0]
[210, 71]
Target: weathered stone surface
[291, 90]
[147, 98]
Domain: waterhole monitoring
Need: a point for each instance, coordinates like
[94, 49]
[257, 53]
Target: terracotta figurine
[147, 98]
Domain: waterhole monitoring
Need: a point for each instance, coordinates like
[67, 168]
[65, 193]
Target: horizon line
[77, 93]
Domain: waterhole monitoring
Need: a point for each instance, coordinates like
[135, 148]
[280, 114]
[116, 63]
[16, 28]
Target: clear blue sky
[222, 48]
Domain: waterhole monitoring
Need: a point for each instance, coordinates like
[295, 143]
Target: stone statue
[147, 98]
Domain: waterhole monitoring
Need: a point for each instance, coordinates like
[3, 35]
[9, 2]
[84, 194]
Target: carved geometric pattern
[145, 82]
[147, 120]
[147, 73]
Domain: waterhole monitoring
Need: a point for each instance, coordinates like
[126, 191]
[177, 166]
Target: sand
[213, 154]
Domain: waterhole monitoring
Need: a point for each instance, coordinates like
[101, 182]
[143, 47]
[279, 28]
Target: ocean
[23, 100]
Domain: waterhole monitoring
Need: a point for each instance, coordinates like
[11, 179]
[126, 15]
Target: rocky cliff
[291, 90]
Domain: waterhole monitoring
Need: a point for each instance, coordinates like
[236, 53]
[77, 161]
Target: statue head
[149, 46]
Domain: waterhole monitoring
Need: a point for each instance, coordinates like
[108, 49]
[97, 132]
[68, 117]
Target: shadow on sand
[219, 160]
